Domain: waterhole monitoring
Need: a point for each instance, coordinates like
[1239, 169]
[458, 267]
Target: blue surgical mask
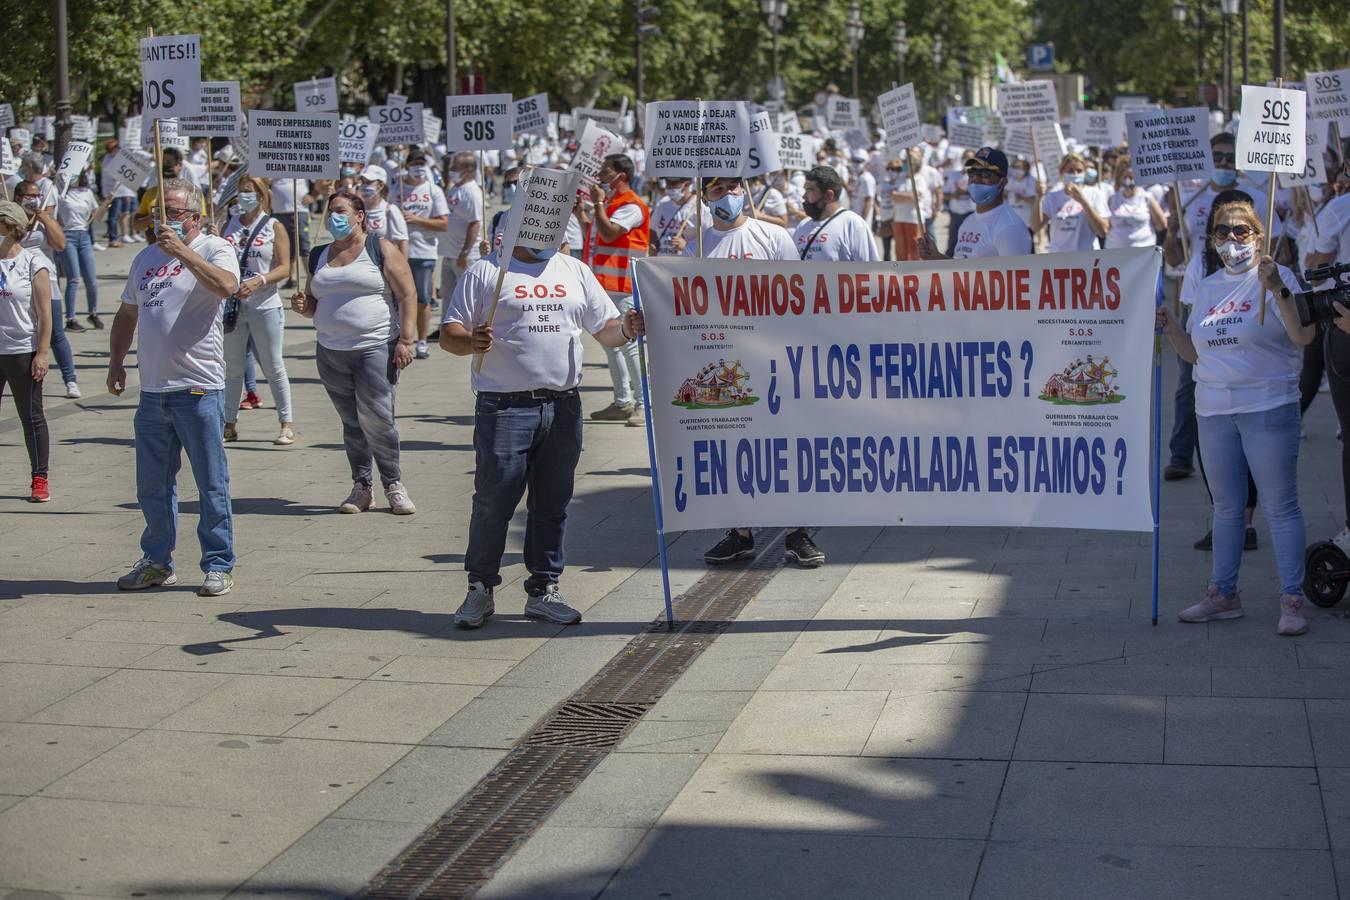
[983, 194]
[1076, 178]
[1225, 177]
[544, 255]
[348, 171]
[1091, 175]
[728, 207]
[508, 193]
[339, 225]
[176, 228]
[416, 173]
[368, 192]
[248, 202]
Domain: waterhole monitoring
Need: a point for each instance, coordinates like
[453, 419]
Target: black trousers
[1337, 355]
[16, 370]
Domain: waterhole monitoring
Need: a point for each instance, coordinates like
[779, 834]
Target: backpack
[373, 250]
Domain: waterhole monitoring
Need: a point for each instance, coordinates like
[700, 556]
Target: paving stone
[808, 722]
[1093, 728]
[1121, 679]
[29, 689]
[564, 862]
[948, 725]
[336, 859]
[421, 786]
[1237, 731]
[33, 756]
[131, 698]
[395, 712]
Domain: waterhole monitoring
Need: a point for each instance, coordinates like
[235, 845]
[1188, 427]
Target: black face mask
[814, 210]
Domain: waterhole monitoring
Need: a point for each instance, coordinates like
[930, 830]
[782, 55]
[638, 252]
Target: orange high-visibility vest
[610, 260]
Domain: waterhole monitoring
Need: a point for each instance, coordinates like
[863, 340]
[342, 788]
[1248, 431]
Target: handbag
[230, 318]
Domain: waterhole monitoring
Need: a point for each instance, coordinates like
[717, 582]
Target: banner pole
[295, 212]
[210, 187]
[749, 196]
[1185, 241]
[918, 202]
[1157, 448]
[1312, 210]
[1265, 239]
[698, 212]
[159, 157]
[651, 456]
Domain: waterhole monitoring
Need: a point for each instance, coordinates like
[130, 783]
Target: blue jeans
[76, 262]
[362, 385]
[1182, 444]
[520, 444]
[1267, 442]
[167, 424]
[119, 207]
[261, 330]
[624, 365]
[423, 271]
[65, 359]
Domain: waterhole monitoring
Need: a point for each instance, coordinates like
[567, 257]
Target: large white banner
[1001, 391]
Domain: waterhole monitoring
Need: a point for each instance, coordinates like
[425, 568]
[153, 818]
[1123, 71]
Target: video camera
[1315, 306]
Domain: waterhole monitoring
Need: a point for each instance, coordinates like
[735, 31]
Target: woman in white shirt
[1021, 190]
[1246, 404]
[1136, 218]
[264, 252]
[46, 237]
[25, 333]
[382, 217]
[75, 212]
[364, 341]
[1074, 213]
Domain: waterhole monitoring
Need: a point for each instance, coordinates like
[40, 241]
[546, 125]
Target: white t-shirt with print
[1334, 229]
[465, 202]
[1070, 230]
[926, 179]
[843, 237]
[997, 232]
[425, 199]
[752, 239]
[387, 222]
[76, 208]
[668, 220]
[863, 188]
[260, 258]
[1241, 366]
[542, 312]
[18, 310]
[180, 343]
[1131, 222]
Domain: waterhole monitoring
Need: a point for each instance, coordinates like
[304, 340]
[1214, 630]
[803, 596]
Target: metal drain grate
[594, 726]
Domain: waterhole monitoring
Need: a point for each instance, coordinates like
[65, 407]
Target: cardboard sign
[356, 140]
[994, 130]
[169, 136]
[83, 128]
[797, 151]
[6, 115]
[9, 163]
[1315, 168]
[220, 116]
[900, 117]
[1272, 131]
[398, 124]
[965, 126]
[1329, 97]
[696, 138]
[595, 143]
[431, 126]
[129, 168]
[319, 95]
[129, 135]
[293, 144]
[788, 123]
[538, 216]
[1027, 102]
[843, 113]
[531, 115]
[1099, 128]
[762, 157]
[606, 118]
[1048, 147]
[479, 122]
[72, 163]
[395, 100]
[23, 137]
[1169, 145]
[171, 75]
[229, 187]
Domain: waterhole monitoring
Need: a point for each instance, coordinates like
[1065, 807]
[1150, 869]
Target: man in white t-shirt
[829, 231]
[993, 229]
[862, 187]
[174, 295]
[427, 214]
[673, 217]
[460, 243]
[527, 422]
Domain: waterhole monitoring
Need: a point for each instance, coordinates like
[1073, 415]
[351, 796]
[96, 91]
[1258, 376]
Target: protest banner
[398, 124]
[129, 134]
[595, 143]
[965, 126]
[797, 151]
[994, 130]
[788, 123]
[1099, 128]
[696, 138]
[843, 113]
[900, 118]
[431, 126]
[319, 95]
[1043, 142]
[1315, 165]
[72, 164]
[762, 155]
[1272, 137]
[606, 118]
[165, 132]
[129, 168]
[356, 140]
[395, 100]
[480, 122]
[1329, 101]
[23, 137]
[293, 144]
[1027, 102]
[1168, 146]
[6, 115]
[1018, 394]
[9, 165]
[83, 128]
[531, 115]
[171, 76]
[220, 115]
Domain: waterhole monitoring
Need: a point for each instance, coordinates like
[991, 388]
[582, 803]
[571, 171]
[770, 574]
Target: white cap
[374, 173]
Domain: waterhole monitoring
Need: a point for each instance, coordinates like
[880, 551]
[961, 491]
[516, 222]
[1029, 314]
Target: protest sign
[595, 143]
[23, 137]
[83, 128]
[1027, 102]
[1315, 165]
[900, 118]
[480, 122]
[319, 95]
[788, 123]
[797, 151]
[1048, 147]
[1168, 145]
[72, 163]
[1329, 98]
[292, 144]
[1017, 395]
[9, 163]
[843, 113]
[994, 130]
[762, 156]
[129, 168]
[1099, 128]
[226, 190]
[395, 100]
[44, 126]
[431, 126]
[606, 118]
[398, 124]
[531, 115]
[696, 138]
[171, 76]
[6, 115]
[169, 136]
[965, 126]
[130, 133]
[1271, 133]
[220, 116]
[356, 140]
[538, 215]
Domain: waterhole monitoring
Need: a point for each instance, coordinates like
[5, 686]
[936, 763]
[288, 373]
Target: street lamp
[901, 49]
[855, 36]
[937, 76]
[775, 11]
[1229, 8]
[643, 14]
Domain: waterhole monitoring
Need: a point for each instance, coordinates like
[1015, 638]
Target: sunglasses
[1224, 157]
[1238, 232]
[983, 176]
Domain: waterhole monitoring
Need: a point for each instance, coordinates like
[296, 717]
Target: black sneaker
[802, 550]
[74, 325]
[96, 321]
[1249, 539]
[1206, 542]
[731, 548]
[1177, 471]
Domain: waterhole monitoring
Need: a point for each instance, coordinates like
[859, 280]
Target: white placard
[356, 140]
[6, 115]
[1169, 145]
[72, 163]
[1329, 97]
[220, 116]
[788, 123]
[431, 126]
[9, 163]
[1315, 166]
[965, 126]
[130, 133]
[762, 157]
[478, 122]
[1027, 102]
[398, 124]
[395, 100]
[539, 213]
[129, 168]
[900, 117]
[531, 115]
[1099, 128]
[607, 118]
[319, 95]
[23, 137]
[82, 127]
[1272, 131]
[292, 144]
[226, 190]
[45, 126]
[595, 143]
[697, 138]
[169, 136]
[171, 75]
[1048, 147]
[797, 151]
[843, 113]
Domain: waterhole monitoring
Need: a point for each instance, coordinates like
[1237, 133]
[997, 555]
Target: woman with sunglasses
[1075, 212]
[1246, 374]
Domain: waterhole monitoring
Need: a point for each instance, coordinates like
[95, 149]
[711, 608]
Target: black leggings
[16, 370]
[1337, 355]
[1310, 376]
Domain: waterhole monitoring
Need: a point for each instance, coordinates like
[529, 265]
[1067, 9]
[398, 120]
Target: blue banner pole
[1157, 445]
[651, 455]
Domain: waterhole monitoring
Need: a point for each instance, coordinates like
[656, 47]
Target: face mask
[1021, 173]
[508, 193]
[29, 203]
[348, 172]
[368, 192]
[417, 173]
[1236, 257]
[983, 194]
[1127, 183]
[1225, 177]
[728, 207]
[176, 228]
[675, 194]
[1091, 175]
[248, 202]
[1076, 178]
[339, 225]
[545, 255]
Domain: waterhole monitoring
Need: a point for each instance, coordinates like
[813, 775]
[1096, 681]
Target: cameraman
[1333, 245]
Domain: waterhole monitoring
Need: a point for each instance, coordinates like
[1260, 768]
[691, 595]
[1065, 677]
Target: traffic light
[646, 12]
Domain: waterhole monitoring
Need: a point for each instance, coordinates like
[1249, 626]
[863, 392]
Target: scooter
[1326, 573]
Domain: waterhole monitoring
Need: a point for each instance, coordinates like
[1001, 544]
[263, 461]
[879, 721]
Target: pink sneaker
[1215, 606]
[1292, 620]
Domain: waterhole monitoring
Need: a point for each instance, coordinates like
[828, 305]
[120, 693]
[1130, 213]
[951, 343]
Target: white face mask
[1236, 256]
[675, 194]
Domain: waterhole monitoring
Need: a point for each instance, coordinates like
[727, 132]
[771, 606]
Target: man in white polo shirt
[830, 231]
[174, 294]
[527, 421]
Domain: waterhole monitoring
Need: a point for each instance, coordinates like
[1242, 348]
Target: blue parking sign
[1041, 57]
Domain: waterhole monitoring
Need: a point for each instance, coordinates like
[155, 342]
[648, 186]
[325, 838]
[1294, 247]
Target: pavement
[934, 713]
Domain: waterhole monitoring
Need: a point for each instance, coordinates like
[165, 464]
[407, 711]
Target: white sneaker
[1342, 540]
[100, 247]
[476, 608]
[358, 500]
[72, 391]
[422, 350]
[400, 504]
